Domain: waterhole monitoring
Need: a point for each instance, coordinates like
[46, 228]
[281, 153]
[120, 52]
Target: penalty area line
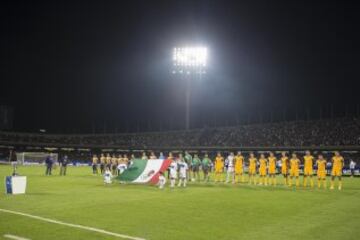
[92, 229]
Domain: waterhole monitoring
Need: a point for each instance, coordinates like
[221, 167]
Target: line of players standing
[234, 166]
[115, 164]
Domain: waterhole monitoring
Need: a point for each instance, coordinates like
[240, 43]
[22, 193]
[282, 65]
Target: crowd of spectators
[334, 132]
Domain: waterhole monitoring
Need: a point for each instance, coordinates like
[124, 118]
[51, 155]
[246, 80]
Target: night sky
[80, 66]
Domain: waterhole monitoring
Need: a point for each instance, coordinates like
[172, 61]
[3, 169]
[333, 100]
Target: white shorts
[173, 175]
[107, 180]
[182, 175]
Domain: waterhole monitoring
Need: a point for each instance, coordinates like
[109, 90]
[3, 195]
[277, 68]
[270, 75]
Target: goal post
[29, 158]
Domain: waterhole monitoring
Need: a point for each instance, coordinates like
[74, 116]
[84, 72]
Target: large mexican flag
[144, 171]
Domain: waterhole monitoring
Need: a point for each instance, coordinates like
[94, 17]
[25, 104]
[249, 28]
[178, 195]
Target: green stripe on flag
[134, 171]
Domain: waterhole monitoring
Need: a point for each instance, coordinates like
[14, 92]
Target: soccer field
[201, 211]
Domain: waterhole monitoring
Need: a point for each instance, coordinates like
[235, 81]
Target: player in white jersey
[162, 180]
[183, 168]
[230, 169]
[173, 173]
[108, 176]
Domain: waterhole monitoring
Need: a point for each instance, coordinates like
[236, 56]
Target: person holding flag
[173, 173]
[183, 169]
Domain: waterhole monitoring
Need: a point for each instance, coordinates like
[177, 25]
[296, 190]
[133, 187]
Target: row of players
[266, 167]
[117, 163]
[233, 165]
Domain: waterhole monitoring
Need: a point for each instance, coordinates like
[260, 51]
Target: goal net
[35, 157]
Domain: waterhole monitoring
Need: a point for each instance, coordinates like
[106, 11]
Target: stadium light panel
[190, 57]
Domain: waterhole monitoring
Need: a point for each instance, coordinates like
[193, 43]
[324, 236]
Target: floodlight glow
[190, 57]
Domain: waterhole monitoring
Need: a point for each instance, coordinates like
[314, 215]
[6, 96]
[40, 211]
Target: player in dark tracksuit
[49, 163]
[63, 165]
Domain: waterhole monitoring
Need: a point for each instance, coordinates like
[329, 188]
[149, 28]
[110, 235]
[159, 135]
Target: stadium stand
[319, 136]
[336, 132]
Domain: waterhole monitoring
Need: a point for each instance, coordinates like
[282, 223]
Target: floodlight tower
[189, 63]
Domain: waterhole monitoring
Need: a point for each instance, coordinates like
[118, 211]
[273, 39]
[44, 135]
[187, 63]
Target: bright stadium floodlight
[190, 63]
[190, 60]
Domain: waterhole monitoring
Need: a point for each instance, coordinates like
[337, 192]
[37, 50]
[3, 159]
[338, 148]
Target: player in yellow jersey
[152, 155]
[126, 159]
[239, 170]
[272, 169]
[285, 167]
[95, 161]
[308, 168]
[252, 168]
[262, 170]
[114, 163]
[121, 158]
[337, 166]
[144, 156]
[321, 170]
[108, 161]
[294, 169]
[102, 163]
[219, 167]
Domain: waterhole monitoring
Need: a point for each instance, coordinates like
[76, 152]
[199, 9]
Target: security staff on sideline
[63, 164]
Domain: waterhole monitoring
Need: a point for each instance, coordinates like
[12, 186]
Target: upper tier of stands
[334, 132]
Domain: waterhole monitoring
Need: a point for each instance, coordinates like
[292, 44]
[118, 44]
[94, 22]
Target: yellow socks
[323, 183]
[332, 184]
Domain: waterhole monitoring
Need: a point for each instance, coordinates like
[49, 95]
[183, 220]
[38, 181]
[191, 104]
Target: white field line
[72, 225]
[14, 237]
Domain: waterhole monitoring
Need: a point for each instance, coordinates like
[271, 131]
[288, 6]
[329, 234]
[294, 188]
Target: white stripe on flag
[151, 165]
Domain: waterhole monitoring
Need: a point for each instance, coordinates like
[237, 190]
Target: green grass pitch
[201, 211]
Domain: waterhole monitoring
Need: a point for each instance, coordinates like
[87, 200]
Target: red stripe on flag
[165, 165]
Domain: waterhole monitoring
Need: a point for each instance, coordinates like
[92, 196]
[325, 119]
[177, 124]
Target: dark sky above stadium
[79, 66]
